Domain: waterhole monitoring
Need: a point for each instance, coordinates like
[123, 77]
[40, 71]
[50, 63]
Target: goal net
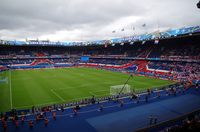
[3, 77]
[124, 89]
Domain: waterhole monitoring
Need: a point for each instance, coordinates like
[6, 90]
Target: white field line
[92, 93]
[10, 86]
[88, 97]
[95, 93]
[73, 87]
[50, 103]
[86, 105]
[100, 91]
[57, 95]
[43, 104]
[25, 106]
[151, 87]
[76, 99]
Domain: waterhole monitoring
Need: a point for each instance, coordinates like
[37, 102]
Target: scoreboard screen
[85, 58]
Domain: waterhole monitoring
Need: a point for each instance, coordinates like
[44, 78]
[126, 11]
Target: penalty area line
[57, 95]
[95, 93]
[92, 93]
[37, 105]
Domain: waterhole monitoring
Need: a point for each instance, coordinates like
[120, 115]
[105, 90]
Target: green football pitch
[21, 89]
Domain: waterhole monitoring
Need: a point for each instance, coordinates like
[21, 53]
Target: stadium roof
[128, 39]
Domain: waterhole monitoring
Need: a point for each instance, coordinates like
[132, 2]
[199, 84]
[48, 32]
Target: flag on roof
[144, 25]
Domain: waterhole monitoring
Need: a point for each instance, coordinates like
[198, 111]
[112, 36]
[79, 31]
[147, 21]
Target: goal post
[124, 89]
[3, 77]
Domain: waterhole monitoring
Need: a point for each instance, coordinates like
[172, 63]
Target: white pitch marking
[92, 93]
[57, 95]
[37, 105]
[11, 103]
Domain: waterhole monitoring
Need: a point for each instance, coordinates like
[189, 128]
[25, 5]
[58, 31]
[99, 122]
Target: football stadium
[137, 79]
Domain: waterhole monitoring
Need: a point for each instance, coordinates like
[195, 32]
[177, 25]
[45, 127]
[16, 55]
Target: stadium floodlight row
[144, 37]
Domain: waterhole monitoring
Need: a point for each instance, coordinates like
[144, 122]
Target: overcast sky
[80, 20]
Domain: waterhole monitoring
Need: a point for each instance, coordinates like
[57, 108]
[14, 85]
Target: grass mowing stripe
[34, 87]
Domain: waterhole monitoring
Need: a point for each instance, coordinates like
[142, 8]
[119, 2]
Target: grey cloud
[42, 17]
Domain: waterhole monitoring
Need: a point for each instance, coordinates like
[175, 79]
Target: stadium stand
[175, 57]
